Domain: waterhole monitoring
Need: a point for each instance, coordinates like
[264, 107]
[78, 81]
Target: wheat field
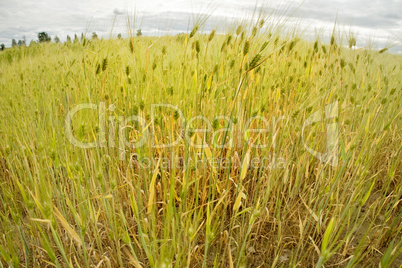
[250, 148]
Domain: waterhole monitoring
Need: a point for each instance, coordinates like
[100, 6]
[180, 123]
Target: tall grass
[66, 206]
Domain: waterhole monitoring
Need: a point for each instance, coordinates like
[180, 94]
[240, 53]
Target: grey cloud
[17, 18]
[117, 11]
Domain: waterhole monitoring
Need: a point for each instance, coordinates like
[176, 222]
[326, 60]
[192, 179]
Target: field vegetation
[207, 200]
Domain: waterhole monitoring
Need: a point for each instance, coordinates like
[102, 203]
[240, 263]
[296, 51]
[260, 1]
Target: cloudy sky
[374, 22]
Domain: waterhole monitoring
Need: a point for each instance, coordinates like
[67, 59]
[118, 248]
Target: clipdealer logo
[106, 137]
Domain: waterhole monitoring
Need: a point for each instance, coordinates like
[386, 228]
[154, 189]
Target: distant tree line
[44, 37]
[19, 43]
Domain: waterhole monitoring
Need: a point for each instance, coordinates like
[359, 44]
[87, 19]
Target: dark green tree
[139, 32]
[14, 43]
[43, 37]
[22, 42]
[56, 39]
[2, 47]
